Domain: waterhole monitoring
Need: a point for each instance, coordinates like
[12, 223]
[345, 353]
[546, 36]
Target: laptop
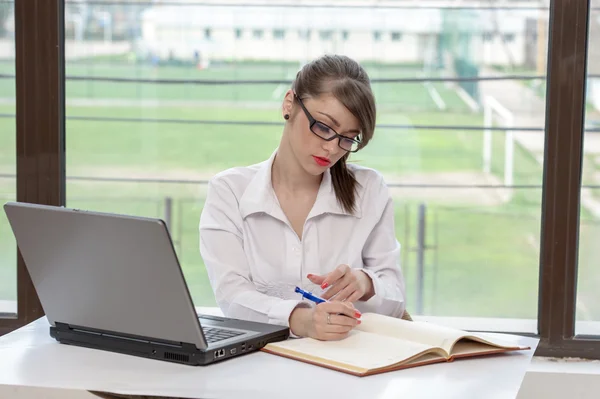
[113, 282]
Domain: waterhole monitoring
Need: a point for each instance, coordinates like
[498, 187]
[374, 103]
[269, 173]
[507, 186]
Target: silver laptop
[113, 282]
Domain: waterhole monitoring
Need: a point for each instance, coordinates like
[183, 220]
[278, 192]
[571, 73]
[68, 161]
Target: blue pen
[314, 298]
[309, 296]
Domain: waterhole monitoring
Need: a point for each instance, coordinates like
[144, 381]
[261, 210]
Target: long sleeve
[381, 255]
[222, 249]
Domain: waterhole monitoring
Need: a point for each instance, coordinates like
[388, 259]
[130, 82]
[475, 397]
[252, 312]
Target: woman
[305, 218]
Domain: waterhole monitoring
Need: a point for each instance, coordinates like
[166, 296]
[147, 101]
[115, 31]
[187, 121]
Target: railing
[418, 233]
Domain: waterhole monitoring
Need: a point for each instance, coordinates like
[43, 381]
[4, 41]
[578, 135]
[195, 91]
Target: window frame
[40, 81]
[40, 125]
[563, 155]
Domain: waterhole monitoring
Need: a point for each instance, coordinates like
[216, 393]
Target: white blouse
[254, 259]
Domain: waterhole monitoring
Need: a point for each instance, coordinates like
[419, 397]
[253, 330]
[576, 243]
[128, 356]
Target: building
[402, 33]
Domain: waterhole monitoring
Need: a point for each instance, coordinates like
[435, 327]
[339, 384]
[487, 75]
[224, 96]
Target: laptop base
[181, 353]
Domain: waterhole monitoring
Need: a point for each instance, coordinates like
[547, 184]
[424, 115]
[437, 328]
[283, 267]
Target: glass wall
[8, 164]
[161, 97]
[588, 297]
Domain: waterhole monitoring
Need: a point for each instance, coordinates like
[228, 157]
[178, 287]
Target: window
[326, 34]
[451, 153]
[344, 35]
[304, 34]
[238, 33]
[459, 167]
[488, 37]
[588, 296]
[257, 33]
[377, 35]
[466, 159]
[396, 36]
[8, 160]
[278, 34]
[207, 33]
[508, 37]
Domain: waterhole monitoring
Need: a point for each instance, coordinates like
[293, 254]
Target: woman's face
[315, 154]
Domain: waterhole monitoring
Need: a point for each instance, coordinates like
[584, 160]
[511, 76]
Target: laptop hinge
[63, 328]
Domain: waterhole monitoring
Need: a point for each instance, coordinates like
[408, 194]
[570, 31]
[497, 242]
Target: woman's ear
[288, 103]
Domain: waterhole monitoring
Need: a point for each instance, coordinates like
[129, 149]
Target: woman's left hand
[347, 284]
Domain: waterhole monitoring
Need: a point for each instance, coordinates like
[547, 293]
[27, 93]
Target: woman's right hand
[328, 321]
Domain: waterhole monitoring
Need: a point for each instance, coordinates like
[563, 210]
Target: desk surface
[30, 357]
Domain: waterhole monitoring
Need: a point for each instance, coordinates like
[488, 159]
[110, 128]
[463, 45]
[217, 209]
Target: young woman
[306, 218]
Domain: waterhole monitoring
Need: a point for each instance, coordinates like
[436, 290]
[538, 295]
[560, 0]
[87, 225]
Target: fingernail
[324, 285]
[309, 275]
[359, 322]
[357, 314]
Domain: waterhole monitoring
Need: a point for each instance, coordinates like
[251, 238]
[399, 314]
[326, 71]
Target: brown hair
[349, 83]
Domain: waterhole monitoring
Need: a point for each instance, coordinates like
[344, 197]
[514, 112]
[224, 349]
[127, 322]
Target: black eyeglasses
[325, 132]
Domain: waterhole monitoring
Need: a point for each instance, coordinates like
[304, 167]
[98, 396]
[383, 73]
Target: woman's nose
[331, 146]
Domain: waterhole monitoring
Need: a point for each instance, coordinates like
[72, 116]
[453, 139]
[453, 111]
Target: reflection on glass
[450, 144]
[8, 187]
[588, 298]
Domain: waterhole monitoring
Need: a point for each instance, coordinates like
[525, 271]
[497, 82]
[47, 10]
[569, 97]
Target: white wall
[494, 52]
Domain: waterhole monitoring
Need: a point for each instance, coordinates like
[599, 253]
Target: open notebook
[381, 343]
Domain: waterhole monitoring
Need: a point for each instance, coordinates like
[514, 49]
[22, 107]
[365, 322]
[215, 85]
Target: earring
[286, 117]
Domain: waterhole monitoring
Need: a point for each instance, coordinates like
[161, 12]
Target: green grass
[215, 147]
[486, 258]
[387, 94]
[472, 246]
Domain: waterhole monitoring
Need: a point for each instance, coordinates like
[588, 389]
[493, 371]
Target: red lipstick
[321, 161]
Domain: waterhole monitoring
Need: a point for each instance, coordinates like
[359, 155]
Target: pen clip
[302, 292]
[309, 295]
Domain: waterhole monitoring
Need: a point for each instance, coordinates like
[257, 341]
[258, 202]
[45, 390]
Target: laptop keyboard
[213, 334]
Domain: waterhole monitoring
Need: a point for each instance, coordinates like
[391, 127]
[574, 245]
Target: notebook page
[467, 347]
[359, 349]
[414, 331]
[486, 342]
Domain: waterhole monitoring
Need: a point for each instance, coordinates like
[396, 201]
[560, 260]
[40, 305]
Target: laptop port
[250, 347]
[244, 347]
[219, 353]
[233, 351]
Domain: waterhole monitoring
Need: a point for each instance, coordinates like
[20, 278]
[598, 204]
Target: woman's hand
[347, 284]
[328, 321]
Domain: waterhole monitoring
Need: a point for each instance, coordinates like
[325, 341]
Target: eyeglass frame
[312, 121]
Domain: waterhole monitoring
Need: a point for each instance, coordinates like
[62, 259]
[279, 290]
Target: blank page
[360, 349]
[424, 333]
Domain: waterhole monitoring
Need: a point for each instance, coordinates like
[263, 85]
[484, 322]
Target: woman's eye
[322, 128]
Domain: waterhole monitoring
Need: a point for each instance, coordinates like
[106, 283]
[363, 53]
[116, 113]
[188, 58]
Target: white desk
[29, 357]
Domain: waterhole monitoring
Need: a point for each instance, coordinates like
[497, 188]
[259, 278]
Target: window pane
[8, 187]
[588, 297]
[462, 155]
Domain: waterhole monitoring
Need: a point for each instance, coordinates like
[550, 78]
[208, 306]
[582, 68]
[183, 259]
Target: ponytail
[344, 185]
